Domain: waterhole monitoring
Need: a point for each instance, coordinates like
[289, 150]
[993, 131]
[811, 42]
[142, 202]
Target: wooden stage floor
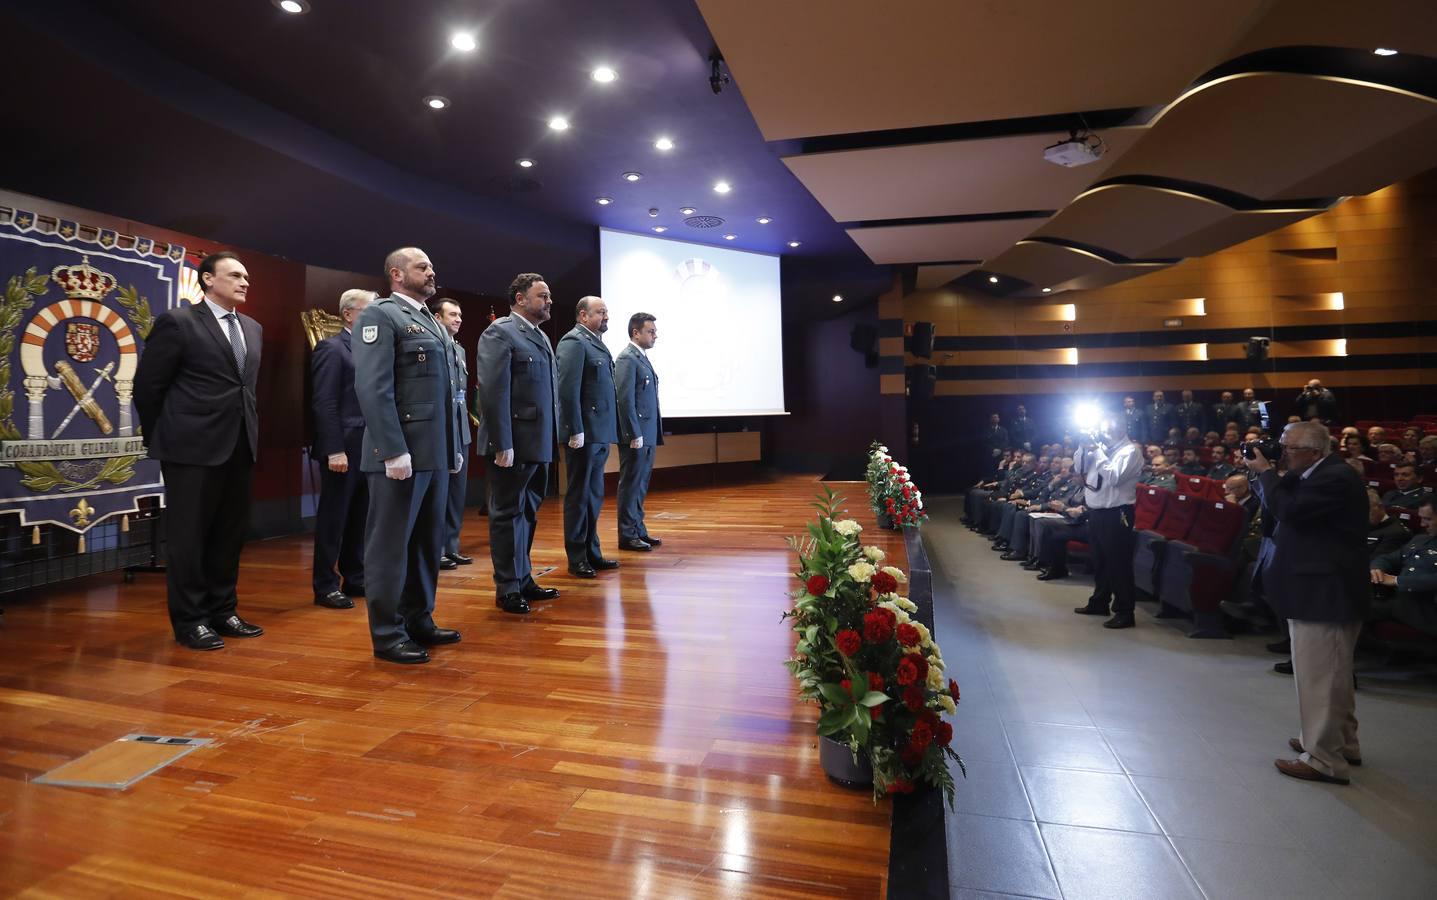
[638, 737]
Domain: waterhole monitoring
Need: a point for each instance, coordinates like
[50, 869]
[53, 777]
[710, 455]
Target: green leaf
[832, 721]
[874, 698]
[836, 695]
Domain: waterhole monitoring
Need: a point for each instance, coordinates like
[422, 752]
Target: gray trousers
[515, 495]
[454, 506]
[401, 554]
[583, 499]
[635, 468]
[1326, 705]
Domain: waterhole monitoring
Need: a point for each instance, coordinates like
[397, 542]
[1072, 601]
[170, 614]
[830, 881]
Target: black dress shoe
[635, 544]
[460, 558]
[1031, 565]
[1010, 556]
[512, 603]
[446, 563]
[234, 626]
[582, 570]
[406, 653]
[999, 546]
[334, 600]
[1121, 620]
[1052, 574]
[351, 590]
[1282, 647]
[1283, 668]
[435, 637]
[650, 539]
[200, 637]
[532, 591]
[603, 565]
[1092, 609]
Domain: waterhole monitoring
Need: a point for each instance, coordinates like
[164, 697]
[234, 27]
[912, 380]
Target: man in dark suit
[518, 393]
[641, 430]
[996, 437]
[1251, 408]
[587, 426]
[1135, 423]
[1225, 411]
[1319, 580]
[1158, 418]
[451, 316]
[338, 440]
[1021, 429]
[1190, 414]
[404, 376]
[195, 393]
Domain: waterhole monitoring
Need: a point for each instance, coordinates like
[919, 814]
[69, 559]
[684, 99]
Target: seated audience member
[1389, 454]
[1237, 490]
[1427, 455]
[1221, 469]
[1350, 429]
[1408, 492]
[1292, 419]
[983, 489]
[1192, 437]
[1175, 437]
[1151, 452]
[1357, 467]
[1051, 536]
[1231, 438]
[1024, 486]
[1160, 475]
[1212, 439]
[1352, 448]
[1014, 517]
[1027, 538]
[1411, 571]
[1411, 437]
[1376, 435]
[1190, 464]
[1385, 533]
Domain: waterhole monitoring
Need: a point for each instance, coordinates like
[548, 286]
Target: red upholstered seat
[1198, 571]
[1148, 553]
[1182, 511]
[1149, 510]
[1399, 633]
[1192, 484]
[1217, 527]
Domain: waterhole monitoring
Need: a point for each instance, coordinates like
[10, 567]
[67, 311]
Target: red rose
[908, 672]
[901, 786]
[875, 711]
[816, 584]
[875, 681]
[907, 490]
[919, 662]
[910, 756]
[922, 736]
[953, 689]
[878, 625]
[846, 685]
[913, 698]
[849, 642]
[930, 717]
[908, 635]
[884, 583]
[945, 734]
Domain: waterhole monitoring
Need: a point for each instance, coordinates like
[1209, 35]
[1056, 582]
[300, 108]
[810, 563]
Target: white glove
[576, 441]
[504, 458]
[338, 462]
[399, 467]
[458, 463]
[637, 443]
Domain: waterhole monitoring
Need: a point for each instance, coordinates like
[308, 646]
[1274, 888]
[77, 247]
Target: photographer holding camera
[1317, 402]
[1110, 464]
[1319, 580]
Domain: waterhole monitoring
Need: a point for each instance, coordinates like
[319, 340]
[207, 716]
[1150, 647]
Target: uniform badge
[369, 334]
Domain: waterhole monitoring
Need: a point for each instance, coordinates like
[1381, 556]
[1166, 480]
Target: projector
[1073, 152]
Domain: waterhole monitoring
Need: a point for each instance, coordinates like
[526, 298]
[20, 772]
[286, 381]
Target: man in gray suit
[404, 378]
[518, 396]
[641, 430]
[586, 425]
[451, 317]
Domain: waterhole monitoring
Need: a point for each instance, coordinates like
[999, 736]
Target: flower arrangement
[876, 674]
[891, 490]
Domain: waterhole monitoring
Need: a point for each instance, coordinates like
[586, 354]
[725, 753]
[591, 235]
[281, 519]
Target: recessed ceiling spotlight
[730, 237]
[992, 279]
[664, 143]
[793, 243]
[434, 101]
[603, 201]
[1047, 290]
[687, 210]
[525, 163]
[764, 220]
[293, 7]
[463, 40]
[837, 298]
[632, 176]
[660, 229]
[653, 212]
[1385, 51]
[559, 123]
[722, 187]
[604, 74]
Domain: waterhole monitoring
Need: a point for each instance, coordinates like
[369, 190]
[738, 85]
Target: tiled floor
[1139, 763]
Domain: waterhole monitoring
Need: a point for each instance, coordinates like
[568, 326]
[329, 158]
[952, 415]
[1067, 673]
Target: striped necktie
[232, 322]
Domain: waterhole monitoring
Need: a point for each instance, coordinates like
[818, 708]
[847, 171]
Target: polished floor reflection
[636, 738]
[1139, 763]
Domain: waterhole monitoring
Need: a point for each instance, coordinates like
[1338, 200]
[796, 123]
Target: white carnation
[847, 527]
[905, 604]
[861, 572]
[947, 703]
[874, 555]
[897, 573]
[935, 678]
[882, 449]
[898, 613]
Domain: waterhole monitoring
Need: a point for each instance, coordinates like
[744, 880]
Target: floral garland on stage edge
[876, 675]
[891, 491]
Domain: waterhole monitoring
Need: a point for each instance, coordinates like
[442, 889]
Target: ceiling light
[603, 201]
[604, 74]
[992, 279]
[793, 243]
[653, 212]
[632, 176]
[730, 237]
[664, 143]
[434, 101]
[463, 40]
[1385, 51]
[764, 220]
[1047, 290]
[559, 123]
[293, 7]
[687, 210]
[660, 229]
[837, 298]
[722, 187]
[525, 163]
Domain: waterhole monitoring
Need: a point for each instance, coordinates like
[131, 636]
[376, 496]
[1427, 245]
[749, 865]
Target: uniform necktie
[232, 321]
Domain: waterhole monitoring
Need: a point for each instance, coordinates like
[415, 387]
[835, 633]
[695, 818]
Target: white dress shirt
[220, 312]
[1110, 481]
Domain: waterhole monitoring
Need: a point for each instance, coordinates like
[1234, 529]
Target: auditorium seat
[1149, 553]
[1192, 484]
[1408, 517]
[1150, 505]
[1198, 571]
[1381, 485]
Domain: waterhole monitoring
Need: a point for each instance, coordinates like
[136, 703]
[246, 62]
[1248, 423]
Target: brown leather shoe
[1296, 746]
[1296, 768]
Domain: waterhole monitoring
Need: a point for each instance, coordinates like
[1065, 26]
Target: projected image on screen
[720, 348]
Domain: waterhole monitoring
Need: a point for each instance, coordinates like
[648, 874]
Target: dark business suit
[458, 481]
[637, 386]
[518, 394]
[1319, 580]
[1190, 415]
[1158, 419]
[586, 405]
[343, 496]
[404, 377]
[199, 419]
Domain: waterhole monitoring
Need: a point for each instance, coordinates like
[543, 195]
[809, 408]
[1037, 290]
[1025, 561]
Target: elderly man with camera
[1319, 581]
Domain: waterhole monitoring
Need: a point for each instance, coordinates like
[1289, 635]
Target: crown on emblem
[83, 282]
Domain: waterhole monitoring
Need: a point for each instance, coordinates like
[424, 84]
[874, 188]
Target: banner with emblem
[78, 303]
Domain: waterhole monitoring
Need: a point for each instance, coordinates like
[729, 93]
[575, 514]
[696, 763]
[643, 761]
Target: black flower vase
[839, 765]
[885, 520]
